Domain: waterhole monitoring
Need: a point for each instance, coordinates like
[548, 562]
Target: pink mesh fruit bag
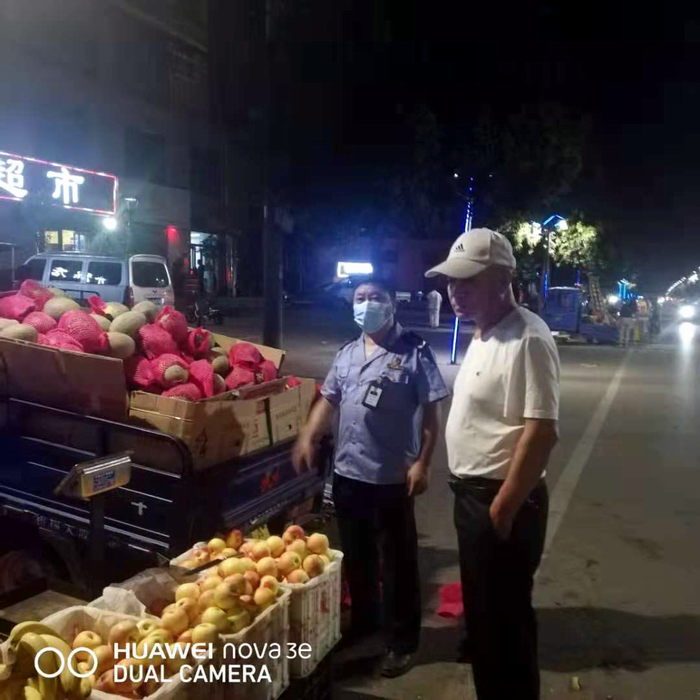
[84, 329]
[60, 339]
[245, 355]
[169, 370]
[198, 343]
[156, 341]
[16, 306]
[139, 373]
[41, 321]
[36, 292]
[97, 305]
[202, 375]
[174, 322]
[189, 392]
[238, 377]
[268, 370]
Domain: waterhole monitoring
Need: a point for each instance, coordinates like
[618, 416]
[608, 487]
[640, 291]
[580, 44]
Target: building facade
[117, 87]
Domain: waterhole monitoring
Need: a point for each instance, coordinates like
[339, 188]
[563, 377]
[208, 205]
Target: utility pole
[273, 241]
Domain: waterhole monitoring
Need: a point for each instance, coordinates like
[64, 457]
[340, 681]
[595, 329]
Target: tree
[577, 246]
[523, 161]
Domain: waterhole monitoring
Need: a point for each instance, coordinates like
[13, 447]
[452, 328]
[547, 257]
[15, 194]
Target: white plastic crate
[66, 622]
[271, 627]
[314, 616]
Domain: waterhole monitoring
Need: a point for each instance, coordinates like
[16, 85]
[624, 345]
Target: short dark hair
[381, 284]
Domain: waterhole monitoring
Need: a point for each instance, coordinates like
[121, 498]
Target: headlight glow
[687, 311]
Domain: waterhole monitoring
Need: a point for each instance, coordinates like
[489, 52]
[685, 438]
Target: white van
[79, 275]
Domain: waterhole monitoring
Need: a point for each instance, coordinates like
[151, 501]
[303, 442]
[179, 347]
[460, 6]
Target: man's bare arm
[417, 478]
[529, 461]
[317, 425]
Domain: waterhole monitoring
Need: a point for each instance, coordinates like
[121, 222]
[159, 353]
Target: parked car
[126, 280]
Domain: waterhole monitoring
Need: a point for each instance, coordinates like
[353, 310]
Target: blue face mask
[372, 316]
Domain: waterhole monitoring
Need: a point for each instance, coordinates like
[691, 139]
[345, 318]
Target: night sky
[631, 73]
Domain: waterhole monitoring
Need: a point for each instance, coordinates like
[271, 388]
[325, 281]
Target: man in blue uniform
[384, 387]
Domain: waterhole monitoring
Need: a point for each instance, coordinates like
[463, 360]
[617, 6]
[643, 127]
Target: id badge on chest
[373, 395]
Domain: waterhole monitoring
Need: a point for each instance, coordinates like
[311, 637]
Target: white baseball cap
[473, 252]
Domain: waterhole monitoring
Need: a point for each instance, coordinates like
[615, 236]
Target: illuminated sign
[40, 182]
[345, 269]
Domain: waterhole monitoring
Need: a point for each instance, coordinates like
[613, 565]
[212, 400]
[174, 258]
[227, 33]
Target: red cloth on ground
[451, 604]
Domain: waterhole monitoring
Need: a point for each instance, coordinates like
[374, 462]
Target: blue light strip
[455, 337]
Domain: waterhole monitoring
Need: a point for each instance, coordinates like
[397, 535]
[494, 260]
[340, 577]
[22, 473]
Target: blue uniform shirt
[378, 445]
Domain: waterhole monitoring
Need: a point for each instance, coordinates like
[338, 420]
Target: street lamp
[110, 223]
[559, 223]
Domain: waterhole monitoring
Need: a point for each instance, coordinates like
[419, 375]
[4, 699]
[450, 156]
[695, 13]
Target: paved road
[617, 593]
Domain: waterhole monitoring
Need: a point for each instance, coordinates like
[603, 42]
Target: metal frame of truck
[165, 508]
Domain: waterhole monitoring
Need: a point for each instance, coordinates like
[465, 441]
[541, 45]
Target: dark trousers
[378, 535]
[497, 579]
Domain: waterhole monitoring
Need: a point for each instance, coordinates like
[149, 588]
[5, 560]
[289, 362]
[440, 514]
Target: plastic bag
[156, 341]
[202, 375]
[245, 355]
[41, 321]
[189, 392]
[16, 306]
[238, 377]
[174, 322]
[36, 292]
[85, 330]
[60, 339]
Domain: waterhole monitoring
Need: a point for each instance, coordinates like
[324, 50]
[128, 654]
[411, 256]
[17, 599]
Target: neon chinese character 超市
[66, 185]
[12, 177]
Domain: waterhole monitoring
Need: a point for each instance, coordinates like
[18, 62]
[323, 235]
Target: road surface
[617, 593]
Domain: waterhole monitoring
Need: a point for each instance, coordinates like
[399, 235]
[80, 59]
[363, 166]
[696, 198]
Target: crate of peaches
[305, 565]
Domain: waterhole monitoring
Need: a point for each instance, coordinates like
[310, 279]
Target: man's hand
[502, 522]
[417, 479]
[304, 454]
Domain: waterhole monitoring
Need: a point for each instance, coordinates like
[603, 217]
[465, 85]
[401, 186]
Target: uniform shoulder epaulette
[414, 340]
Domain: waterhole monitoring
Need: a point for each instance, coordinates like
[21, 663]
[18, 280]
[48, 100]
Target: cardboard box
[75, 381]
[215, 430]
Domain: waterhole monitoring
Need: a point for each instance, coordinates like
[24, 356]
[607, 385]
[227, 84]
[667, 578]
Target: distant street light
[613, 299]
[110, 223]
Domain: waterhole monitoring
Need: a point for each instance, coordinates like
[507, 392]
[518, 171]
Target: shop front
[46, 206]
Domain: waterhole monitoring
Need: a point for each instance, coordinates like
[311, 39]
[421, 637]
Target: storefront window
[52, 240]
[65, 240]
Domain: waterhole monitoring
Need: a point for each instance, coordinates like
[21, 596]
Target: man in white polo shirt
[500, 433]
